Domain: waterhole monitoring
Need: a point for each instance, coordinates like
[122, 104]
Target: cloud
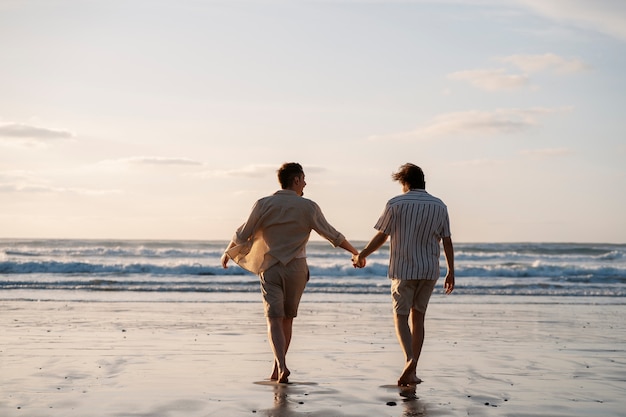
[477, 163]
[17, 133]
[28, 182]
[151, 161]
[16, 175]
[250, 171]
[604, 16]
[498, 79]
[547, 153]
[491, 79]
[474, 122]
[45, 189]
[546, 62]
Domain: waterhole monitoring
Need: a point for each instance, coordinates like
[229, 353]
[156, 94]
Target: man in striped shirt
[417, 222]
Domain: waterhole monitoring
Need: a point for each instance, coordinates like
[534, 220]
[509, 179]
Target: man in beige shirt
[272, 244]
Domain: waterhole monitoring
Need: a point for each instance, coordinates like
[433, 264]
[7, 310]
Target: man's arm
[448, 250]
[243, 232]
[348, 246]
[377, 241]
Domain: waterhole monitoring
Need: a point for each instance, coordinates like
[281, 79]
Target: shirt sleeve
[445, 232]
[384, 223]
[246, 231]
[324, 229]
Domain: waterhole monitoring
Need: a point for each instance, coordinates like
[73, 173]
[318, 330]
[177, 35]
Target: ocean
[151, 270]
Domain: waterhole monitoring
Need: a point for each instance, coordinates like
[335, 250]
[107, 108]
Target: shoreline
[164, 359]
[308, 297]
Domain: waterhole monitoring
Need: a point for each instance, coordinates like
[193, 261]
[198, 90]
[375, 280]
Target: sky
[167, 119]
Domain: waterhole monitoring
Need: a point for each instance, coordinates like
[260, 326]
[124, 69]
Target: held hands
[358, 261]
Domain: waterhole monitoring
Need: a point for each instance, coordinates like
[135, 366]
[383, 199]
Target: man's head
[290, 176]
[410, 176]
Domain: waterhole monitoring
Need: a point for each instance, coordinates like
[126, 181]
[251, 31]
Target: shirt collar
[286, 192]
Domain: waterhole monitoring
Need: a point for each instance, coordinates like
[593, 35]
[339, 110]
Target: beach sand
[163, 359]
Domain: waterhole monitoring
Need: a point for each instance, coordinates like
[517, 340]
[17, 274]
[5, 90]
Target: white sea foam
[173, 267]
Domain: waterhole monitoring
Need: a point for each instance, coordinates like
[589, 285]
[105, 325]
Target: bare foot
[284, 377]
[416, 380]
[408, 376]
[276, 375]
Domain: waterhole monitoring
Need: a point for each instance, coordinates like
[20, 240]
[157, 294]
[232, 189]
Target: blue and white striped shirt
[416, 222]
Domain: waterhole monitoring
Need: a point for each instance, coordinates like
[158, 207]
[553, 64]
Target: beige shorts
[282, 287]
[411, 294]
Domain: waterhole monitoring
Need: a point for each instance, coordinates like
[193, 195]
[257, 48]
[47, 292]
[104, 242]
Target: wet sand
[163, 359]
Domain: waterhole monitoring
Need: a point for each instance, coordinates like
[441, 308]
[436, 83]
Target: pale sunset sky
[167, 119]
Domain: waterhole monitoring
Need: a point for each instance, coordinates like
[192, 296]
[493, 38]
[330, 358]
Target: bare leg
[411, 340]
[417, 331]
[417, 319]
[403, 332]
[279, 330]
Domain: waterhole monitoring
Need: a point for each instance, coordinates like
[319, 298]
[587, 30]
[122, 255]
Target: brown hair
[411, 175]
[288, 172]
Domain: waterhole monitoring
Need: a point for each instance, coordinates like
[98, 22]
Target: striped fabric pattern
[416, 221]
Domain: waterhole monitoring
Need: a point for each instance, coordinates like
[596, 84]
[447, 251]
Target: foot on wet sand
[284, 377]
[276, 376]
[408, 376]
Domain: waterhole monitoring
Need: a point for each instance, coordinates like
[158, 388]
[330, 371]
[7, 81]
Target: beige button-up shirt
[278, 230]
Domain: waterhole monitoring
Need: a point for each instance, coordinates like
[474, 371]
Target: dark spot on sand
[391, 403]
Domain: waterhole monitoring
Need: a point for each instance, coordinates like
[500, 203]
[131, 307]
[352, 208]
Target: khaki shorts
[411, 294]
[282, 287]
